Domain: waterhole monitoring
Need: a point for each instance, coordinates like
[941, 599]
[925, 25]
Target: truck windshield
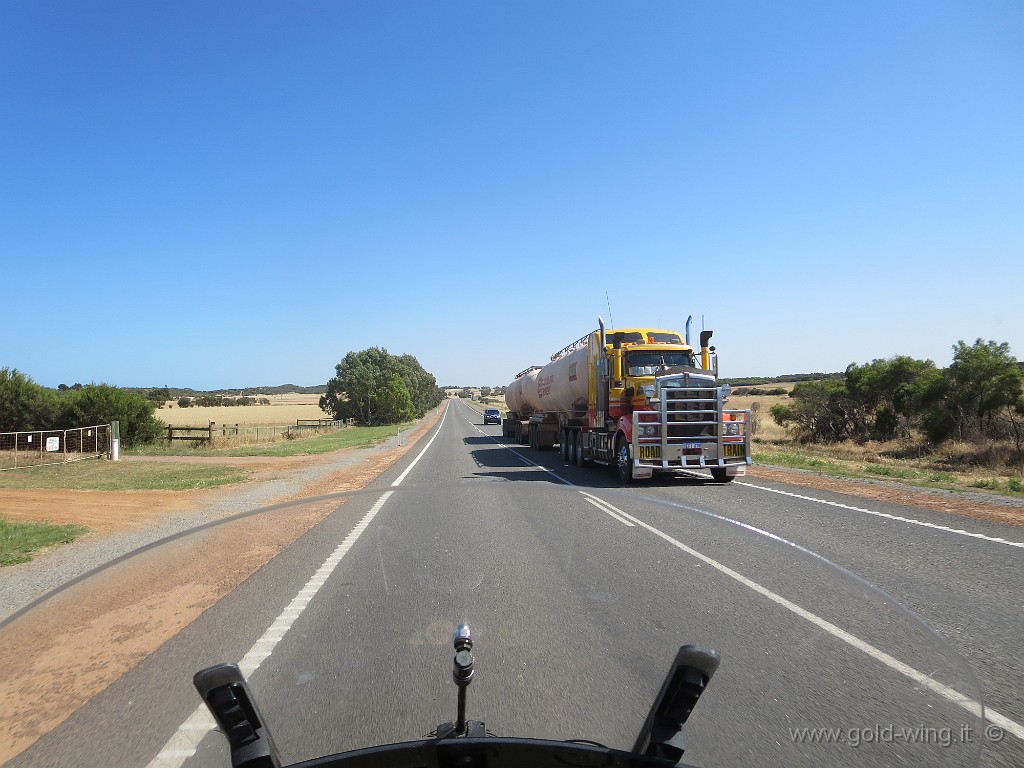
[648, 363]
[663, 338]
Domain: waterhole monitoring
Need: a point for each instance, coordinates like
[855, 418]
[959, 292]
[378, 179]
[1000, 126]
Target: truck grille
[690, 412]
[695, 429]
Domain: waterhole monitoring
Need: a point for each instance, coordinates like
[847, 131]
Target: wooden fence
[256, 433]
[205, 434]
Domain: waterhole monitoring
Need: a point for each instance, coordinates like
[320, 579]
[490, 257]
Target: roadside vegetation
[102, 475]
[27, 406]
[374, 387]
[959, 428]
[333, 440]
[19, 541]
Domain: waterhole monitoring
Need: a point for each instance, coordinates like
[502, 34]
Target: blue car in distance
[492, 416]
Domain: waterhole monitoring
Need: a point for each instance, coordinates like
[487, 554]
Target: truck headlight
[650, 430]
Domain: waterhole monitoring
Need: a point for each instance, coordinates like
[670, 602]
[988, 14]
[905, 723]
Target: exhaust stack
[705, 355]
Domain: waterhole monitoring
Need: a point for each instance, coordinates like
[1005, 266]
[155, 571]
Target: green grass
[103, 475]
[801, 461]
[18, 541]
[895, 472]
[351, 437]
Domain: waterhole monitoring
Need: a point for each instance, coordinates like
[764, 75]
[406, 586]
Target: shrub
[102, 404]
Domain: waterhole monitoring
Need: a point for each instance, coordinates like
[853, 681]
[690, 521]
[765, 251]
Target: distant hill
[752, 380]
[282, 389]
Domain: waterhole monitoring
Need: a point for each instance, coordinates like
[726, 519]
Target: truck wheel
[563, 444]
[623, 460]
[720, 475]
[580, 460]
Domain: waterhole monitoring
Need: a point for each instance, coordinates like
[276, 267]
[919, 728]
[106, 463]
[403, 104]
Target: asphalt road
[578, 593]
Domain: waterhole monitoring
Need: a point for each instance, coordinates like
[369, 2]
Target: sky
[231, 194]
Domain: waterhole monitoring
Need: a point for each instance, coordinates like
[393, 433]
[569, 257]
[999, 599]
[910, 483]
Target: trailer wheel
[563, 444]
[721, 475]
[623, 459]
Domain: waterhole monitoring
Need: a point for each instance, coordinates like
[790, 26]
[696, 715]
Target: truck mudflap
[688, 428]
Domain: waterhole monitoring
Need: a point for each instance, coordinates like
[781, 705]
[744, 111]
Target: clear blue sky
[211, 194]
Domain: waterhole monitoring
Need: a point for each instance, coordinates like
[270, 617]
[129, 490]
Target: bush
[102, 404]
[25, 405]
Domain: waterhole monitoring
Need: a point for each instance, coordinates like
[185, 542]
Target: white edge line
[953, 695]
[419, 456]
[604, 506]
[184, 742]
[972, 706]
[921, 678]
[899, 518]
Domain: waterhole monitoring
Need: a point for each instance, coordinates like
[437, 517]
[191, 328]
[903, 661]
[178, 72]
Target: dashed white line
[923, 679]
[950, 694]
[183, 744]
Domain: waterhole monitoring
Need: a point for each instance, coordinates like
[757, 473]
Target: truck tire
[623, 459]
[720, 475]
[563, 445]
[580, 460]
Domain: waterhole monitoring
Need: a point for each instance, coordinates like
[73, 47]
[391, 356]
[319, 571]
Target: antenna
[611, 320]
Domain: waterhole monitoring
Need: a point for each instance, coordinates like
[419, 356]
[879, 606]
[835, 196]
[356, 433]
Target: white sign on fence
[52, 444]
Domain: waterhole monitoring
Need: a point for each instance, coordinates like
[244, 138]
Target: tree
[24, 405]
[982, 386]
[891, 394]
[422, 385]
[159, 396]
[395, 402]
[102, 404]
[375, 387]
[821, 411]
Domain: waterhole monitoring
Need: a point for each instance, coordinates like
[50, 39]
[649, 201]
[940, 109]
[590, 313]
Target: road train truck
[637, 399]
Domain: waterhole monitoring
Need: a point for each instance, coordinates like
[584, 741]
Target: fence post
[115, 440]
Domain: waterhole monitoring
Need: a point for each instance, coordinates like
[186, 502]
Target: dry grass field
[282, 411]
[766, 430]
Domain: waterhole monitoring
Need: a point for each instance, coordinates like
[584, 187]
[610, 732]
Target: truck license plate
[650, 452]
